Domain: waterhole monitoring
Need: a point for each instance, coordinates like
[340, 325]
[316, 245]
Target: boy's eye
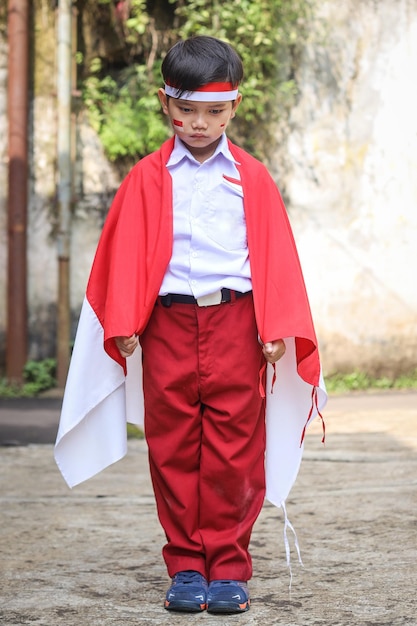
[185, 109]
[216, 111]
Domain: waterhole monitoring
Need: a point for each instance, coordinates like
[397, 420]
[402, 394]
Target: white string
[288, 525]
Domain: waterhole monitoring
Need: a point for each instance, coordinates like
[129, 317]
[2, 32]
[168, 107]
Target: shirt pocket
[225, 217]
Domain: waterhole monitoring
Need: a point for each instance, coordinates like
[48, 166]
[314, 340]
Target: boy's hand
[126, 345]
[274, 350]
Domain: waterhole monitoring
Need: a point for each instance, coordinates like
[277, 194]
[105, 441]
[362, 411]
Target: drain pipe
[18, 74]
[64, 101]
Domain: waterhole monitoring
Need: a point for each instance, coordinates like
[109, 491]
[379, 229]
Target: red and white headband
[212, 92]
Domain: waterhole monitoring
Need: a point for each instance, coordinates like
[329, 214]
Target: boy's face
[199, 125]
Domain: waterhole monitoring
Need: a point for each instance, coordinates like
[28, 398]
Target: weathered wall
[347, 168]
[352, 184]
[3, 190]
[94, 186]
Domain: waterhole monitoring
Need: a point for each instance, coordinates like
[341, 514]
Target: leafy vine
[119, 90]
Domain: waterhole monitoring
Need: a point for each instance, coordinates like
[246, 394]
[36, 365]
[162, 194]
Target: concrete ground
[92, 556]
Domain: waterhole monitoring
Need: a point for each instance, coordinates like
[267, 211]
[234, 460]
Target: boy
[197, 265]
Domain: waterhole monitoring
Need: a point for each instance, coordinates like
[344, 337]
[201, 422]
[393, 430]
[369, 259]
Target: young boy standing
[197, 265]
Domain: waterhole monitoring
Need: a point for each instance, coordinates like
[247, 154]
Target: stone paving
[91, 556]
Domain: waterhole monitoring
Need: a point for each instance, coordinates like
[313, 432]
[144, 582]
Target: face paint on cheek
[178, 124]
[222, 125]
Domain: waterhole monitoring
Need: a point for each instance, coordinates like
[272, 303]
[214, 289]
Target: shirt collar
[180, 152]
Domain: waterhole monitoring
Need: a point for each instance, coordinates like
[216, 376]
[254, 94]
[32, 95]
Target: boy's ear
[236, 103]
[163, 100]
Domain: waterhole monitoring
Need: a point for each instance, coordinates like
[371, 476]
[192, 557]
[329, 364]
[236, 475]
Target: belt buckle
[210, 299]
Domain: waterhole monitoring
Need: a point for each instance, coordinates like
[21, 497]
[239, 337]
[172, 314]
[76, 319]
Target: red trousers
[205, 429]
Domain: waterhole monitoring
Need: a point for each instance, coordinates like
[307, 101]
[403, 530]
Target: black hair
[195, 62]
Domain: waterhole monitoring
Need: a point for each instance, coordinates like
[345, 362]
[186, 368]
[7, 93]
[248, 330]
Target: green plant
[361, 381]
[407, 381]
[38, 376]
[268, 35]
[134, 432]
[9, 390]
[124, 113]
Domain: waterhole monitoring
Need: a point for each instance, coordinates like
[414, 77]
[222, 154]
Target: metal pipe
[18, 73]
[64, 101]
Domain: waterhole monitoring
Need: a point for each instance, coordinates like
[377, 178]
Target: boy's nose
[199, 122]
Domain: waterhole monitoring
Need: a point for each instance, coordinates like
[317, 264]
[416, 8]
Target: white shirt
[209, 246]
